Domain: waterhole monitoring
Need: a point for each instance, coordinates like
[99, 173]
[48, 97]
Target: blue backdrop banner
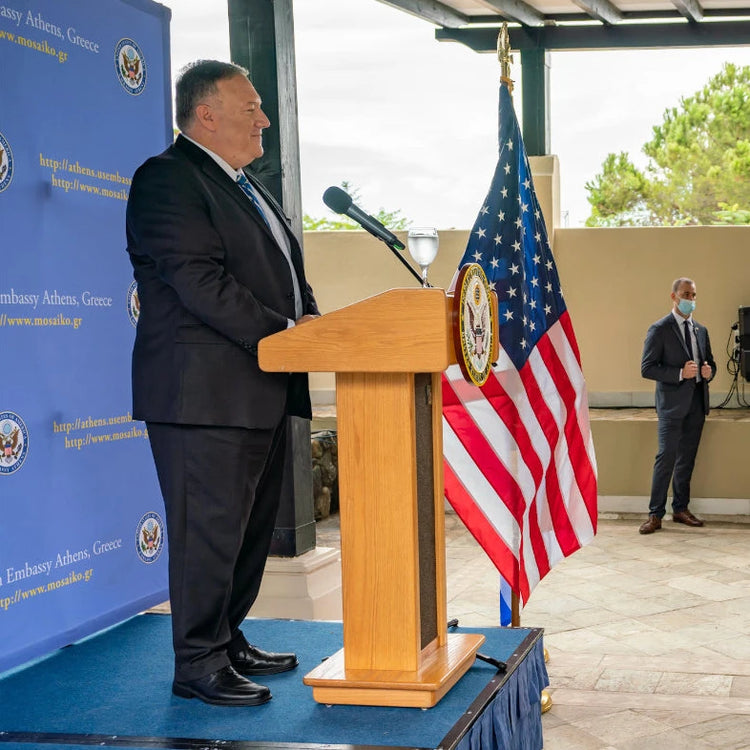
[85, 98]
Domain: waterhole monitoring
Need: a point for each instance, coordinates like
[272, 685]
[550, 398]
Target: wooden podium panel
[401, 330]
[388, 353]
[378, 520]
[440, 670]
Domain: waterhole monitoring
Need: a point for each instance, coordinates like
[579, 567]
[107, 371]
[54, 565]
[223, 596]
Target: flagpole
[506, 59]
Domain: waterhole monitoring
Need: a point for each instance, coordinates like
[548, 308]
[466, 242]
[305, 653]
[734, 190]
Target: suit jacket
[212, 282]
[664, 355]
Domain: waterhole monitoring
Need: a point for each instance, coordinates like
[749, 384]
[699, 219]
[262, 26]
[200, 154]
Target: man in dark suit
[218, 269]
[677, 355]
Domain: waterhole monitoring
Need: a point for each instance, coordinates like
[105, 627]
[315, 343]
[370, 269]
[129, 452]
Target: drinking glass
[423, 247]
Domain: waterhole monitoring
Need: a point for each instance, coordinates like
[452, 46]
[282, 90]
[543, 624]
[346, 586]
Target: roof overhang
[586, 24]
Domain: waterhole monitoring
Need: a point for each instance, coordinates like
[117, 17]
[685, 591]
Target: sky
[412, 122]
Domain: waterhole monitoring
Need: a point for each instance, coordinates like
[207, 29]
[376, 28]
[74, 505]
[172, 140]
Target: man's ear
[204, 115]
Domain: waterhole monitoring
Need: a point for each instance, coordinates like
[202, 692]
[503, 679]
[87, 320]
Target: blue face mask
[686, 306]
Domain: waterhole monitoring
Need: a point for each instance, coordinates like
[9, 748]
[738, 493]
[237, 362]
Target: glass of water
[423, 247]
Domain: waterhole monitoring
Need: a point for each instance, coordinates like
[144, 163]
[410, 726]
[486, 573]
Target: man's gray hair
[197, 81]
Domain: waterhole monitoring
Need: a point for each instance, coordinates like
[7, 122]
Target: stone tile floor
[648, 636]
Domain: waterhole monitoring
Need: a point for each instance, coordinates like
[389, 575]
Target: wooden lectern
[388, 353]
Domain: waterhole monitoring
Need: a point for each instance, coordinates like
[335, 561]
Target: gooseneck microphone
[341, 202]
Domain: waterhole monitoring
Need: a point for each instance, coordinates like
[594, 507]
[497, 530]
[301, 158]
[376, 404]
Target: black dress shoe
[253, 661]
[223, 688]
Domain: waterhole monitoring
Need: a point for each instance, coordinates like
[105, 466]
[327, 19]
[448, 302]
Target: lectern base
[442, 667]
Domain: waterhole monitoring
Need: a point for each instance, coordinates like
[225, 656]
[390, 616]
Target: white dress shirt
[693, 340]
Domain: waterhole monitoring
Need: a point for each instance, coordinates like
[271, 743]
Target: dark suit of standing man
[217, 269]
[677, 355]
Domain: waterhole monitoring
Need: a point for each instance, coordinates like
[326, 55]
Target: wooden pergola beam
[592, 37]
[603, 10]
[691, 9]
[431, 10]
[517, 10]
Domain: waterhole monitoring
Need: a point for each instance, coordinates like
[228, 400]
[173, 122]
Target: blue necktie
[249, 191]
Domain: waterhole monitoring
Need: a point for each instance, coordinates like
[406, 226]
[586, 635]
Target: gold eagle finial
[504, 56]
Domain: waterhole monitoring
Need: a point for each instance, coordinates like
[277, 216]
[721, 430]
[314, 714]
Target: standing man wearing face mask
[677, 355]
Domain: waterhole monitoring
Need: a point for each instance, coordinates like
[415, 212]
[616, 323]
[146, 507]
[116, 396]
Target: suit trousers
[678, 445]
[221, 489]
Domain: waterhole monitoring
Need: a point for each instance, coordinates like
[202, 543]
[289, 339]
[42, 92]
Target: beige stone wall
[626, 443]
[616, 283]
[345, 267]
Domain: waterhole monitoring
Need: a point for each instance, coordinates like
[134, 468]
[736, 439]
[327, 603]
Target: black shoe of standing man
[253, 661]
[223, 688]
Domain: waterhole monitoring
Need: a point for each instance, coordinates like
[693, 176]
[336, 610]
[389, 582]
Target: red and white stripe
[520, 469]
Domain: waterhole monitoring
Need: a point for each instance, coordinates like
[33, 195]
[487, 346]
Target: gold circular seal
[473, 324]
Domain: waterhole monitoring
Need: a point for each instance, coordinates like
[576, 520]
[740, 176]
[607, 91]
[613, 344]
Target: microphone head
[337, 200]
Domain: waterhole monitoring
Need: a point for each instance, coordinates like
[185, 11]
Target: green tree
[732, 214]
[391, 219]
[698, 169]
[617, 194]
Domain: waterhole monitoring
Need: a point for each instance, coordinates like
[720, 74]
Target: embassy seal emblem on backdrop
[134, 304]
[131, 66]
[149, 537]
[6, 163]
[14, 442]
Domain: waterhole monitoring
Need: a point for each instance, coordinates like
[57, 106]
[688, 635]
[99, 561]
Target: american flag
[520, 469]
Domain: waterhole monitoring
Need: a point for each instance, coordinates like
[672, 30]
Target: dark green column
[261, 39]
[535, 65]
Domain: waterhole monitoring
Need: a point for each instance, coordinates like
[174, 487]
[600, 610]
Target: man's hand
[706, 372]
[690, 370]
[305, 319]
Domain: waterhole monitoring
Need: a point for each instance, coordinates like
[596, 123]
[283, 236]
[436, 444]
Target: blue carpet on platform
[119, 683]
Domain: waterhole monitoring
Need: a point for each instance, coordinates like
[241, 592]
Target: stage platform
[113, 690]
